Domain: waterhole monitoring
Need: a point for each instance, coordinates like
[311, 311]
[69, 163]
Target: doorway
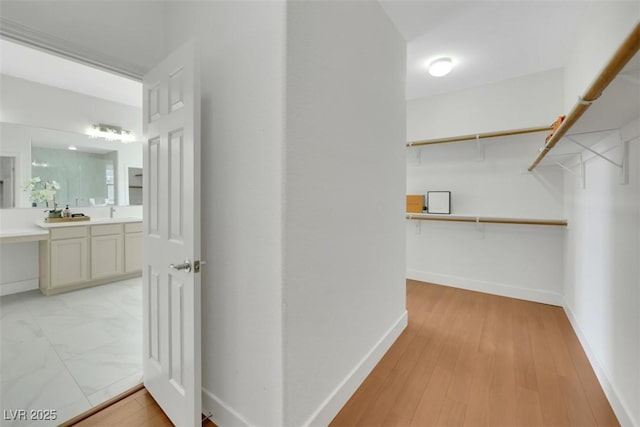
[7, 182]
[135, 186]
[72, 351]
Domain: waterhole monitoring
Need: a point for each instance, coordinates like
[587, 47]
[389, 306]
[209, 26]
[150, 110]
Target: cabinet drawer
[102, 230]
[133, 227]
[68, 233]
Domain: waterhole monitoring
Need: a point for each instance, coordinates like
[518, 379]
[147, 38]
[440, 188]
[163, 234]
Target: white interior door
[171, 236]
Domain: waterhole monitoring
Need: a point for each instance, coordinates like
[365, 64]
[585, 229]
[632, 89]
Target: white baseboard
[341, 394]
[223, 414]
[21, 286]
[625, 416]
[528, 294]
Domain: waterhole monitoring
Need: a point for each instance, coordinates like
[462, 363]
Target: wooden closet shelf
[487, 220]
[479, 136]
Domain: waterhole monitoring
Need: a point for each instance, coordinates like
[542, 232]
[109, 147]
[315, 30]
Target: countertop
[23, 234]
[92, 221]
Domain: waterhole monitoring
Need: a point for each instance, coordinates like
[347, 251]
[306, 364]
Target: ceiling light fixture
[111, 133]
[72, 147]
[440, 67]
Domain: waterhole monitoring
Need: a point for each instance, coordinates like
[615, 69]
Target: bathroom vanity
[81, 254]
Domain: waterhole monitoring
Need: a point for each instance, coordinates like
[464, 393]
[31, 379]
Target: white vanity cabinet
[78, 256]
[69, 256]
[133, 247]
[106, 250]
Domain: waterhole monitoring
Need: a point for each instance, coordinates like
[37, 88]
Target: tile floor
[69, 352]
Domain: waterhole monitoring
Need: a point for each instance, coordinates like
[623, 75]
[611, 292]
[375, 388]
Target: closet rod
[625, 52]
[482, 220]
[479, 136]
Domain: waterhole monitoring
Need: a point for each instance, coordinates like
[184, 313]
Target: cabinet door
[69, 261]
[132, 252]
[106, 256]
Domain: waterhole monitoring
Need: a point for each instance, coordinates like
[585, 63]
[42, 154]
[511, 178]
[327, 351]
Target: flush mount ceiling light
[111, 133]
[440, 67]
[72, 147]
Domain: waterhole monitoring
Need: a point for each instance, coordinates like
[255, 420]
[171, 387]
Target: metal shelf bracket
[622, 165]
[480, 148]
[580, 175]
[479, 229]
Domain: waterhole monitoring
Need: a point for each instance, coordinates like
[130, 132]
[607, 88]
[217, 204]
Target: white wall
[602, 274]
[529, 101]
[604, 27]
[242, 67]
[29, 103]
[499, 259]
[344, 288]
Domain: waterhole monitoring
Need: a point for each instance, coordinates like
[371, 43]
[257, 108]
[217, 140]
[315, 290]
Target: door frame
[26, 36]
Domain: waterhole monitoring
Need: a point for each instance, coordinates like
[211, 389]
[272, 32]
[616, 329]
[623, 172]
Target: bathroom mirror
[87, 171]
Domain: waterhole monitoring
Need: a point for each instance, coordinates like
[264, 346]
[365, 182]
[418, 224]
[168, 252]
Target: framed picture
[439, 202]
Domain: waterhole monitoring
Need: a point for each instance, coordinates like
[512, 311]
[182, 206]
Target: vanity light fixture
[440, 67]
[111, 133]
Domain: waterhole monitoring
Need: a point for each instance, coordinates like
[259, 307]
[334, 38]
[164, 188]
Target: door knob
[184, 266]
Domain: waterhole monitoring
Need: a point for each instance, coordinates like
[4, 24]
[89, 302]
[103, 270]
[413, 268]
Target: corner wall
[494, 258]
[242, 51]
[344, 287]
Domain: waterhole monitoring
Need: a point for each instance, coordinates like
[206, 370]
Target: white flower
[41, 191]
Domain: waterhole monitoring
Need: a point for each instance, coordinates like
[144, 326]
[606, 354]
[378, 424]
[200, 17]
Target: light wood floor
[472, 359]
[137, 410]
[466, 359]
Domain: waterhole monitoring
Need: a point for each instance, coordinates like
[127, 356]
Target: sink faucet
[112, 209]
